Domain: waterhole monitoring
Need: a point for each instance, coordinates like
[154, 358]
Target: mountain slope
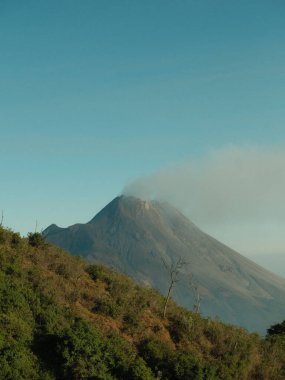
[135, 236]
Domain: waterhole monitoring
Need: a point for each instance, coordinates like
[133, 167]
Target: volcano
[142, 238]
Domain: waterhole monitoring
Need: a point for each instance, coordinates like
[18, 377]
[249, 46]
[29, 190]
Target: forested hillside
[61, 318]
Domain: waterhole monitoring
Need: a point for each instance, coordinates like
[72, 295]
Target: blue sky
[97, 93]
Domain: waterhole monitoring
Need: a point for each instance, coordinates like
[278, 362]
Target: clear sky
[96, 93]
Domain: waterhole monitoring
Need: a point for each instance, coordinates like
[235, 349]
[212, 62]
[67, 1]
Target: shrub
[131, 319]
[36, 239]
[170, 364]
[180, 326]
[15, 239]
[86, 354]
[97, 272]
[278, 329]
[4, 235]
[107, 306]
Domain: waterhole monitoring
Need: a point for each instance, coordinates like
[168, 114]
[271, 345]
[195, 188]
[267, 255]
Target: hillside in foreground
[61, 318]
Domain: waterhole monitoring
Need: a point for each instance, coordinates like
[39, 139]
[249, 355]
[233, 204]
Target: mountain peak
[126, 205]
[135, 236]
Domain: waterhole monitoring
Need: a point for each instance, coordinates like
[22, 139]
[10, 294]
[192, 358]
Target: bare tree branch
[197, 296]
[173, 270]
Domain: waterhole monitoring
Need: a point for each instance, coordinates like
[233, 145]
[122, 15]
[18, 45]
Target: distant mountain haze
[135, 237]
[274, 262]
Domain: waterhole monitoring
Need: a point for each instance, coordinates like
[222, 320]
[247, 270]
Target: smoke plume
[235, 193]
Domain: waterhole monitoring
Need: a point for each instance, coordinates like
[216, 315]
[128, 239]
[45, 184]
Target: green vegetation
[278, 329]
[61, 318]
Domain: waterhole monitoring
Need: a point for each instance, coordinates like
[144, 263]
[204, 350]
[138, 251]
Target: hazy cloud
[239, 187]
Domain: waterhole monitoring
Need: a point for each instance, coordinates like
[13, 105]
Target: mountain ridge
[133, 236]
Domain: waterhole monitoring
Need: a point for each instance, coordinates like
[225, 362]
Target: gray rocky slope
[135, 236]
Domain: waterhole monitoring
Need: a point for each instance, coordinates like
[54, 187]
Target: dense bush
[97, 272]
[36, 239]
[15, 239]
[277, 329]
[85, 353]
[170, 364]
